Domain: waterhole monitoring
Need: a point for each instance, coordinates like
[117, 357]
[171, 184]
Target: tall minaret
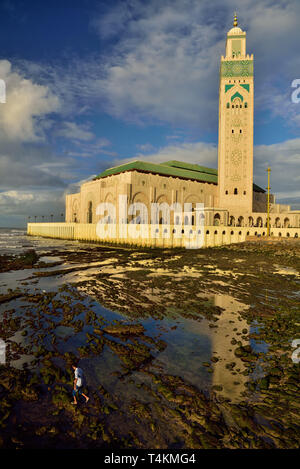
[235, 151]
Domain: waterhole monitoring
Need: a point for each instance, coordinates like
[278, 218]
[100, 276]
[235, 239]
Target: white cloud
[164, 64]
[31, 203]
[27, 105]
[145, 147]
[160, 61]
[74, 131]
[201, 153]
[284, 160]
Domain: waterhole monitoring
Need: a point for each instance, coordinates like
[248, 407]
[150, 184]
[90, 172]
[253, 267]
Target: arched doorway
[217, 219]
[259, 222]
[75, 212]
[241, 221]
[90, 212]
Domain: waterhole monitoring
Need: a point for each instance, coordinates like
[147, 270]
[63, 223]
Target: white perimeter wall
[166, 236]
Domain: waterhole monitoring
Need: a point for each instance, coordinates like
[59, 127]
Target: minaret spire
[235, 21]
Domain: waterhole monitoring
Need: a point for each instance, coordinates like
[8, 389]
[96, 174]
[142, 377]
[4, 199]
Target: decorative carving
[236, 157]
[235, 177]
[236, 122]
[237, 68]
[236, 138]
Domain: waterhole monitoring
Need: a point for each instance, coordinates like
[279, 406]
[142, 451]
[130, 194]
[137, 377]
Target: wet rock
[125, 329]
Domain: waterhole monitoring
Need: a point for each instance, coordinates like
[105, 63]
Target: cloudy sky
[90, 84]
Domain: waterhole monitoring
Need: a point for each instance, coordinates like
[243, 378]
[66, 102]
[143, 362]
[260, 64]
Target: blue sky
[91, 84]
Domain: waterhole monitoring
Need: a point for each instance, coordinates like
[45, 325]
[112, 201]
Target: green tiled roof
[191, 167]
[256, 188]
[172, 168]
[166, 169]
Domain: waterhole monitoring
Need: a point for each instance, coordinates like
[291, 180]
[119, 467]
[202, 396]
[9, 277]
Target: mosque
[229, 195]
[231, 199]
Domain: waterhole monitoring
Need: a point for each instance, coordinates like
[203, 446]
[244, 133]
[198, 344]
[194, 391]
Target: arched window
[90, 212]
[246, 104]
[228, 105]
[235, 191]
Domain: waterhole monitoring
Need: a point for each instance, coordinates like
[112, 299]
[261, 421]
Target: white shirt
[79, 376]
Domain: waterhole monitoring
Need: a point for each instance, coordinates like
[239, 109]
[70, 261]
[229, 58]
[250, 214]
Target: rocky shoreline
[142, 404]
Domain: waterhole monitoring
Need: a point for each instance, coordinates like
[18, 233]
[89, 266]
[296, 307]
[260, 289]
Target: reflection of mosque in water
[230, 326]
[194, 343]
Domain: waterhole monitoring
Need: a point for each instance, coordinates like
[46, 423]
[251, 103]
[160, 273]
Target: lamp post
[268, 207]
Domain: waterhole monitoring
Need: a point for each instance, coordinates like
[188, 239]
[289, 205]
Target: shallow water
[189, 342]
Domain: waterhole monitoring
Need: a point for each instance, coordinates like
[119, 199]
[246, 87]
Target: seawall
[163, 236]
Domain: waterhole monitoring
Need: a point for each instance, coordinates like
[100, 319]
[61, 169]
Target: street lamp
[268, 204]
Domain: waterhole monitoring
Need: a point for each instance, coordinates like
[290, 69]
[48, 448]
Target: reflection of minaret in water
[221, 338]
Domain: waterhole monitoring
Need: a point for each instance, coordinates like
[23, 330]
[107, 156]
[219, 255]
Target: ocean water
[15, 241]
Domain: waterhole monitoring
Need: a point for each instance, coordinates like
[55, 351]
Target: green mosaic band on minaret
[237, 68]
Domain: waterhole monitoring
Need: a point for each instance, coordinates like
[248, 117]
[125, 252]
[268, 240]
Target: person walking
[78, 384]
